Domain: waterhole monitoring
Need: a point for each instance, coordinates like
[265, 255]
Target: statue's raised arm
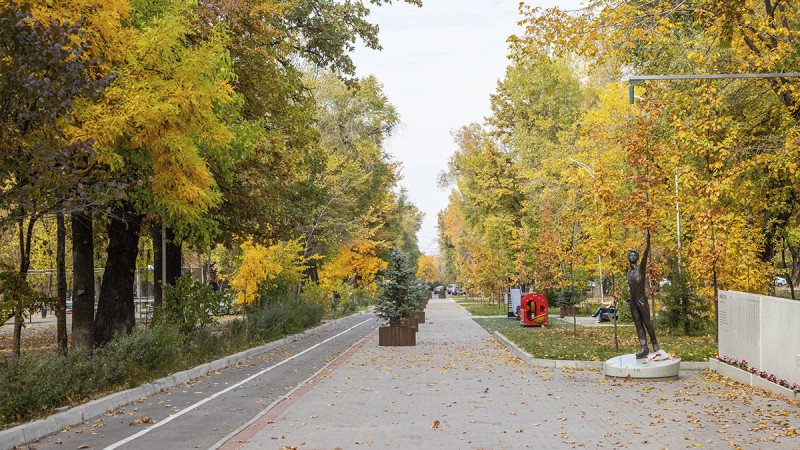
[645, 255]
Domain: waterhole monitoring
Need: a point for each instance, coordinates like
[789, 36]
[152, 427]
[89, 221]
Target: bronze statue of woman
[640, 310]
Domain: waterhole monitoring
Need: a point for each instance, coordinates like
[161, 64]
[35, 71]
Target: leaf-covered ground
[35, 338]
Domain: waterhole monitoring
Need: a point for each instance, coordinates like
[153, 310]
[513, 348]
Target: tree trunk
[312, 273]
[19, 319]
[794, 277]
[158, 293]
[61, 276]
[25, 245]
[174, 257]
[82, 281]
[24, 265]
[115, 308]
[773, 224]
[174, 260]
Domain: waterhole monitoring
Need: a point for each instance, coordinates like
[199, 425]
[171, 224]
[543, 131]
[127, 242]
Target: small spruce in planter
[398, 300]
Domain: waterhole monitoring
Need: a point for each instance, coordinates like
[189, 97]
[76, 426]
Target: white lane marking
[230, 436]
[212, 397]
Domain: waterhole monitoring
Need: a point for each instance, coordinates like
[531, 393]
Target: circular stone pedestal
[627, 365]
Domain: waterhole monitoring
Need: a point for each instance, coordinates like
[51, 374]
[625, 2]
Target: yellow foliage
[165, 102]
[357, 264]
[277, 264]
[426, 269]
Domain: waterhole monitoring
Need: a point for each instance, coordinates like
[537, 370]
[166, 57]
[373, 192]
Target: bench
[609, 317]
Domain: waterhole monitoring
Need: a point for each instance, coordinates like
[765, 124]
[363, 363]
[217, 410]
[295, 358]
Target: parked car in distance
[780, 281]
[664, 282]
[452, 289]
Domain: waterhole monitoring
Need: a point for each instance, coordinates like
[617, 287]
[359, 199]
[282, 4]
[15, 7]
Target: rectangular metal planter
[410, 322]
[397, 336]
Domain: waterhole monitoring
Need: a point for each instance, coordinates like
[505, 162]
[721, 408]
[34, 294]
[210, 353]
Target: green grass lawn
[485, 309]
[465, 299]
[593, 343]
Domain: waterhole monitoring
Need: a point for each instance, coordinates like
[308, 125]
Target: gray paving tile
[459, 388]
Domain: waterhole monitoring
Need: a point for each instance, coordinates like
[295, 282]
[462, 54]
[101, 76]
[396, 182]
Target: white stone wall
[763, 330]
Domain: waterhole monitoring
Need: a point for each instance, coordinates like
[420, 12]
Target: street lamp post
[599, 257]
[590, 171]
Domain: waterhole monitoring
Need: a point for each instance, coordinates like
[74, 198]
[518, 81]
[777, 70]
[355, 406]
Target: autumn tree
[353, 124]
[161, 118]
[701, 37]
[47, 74]
[270, 270]
[279, 162]
[308, 150]
[426, 269]
[356, 264]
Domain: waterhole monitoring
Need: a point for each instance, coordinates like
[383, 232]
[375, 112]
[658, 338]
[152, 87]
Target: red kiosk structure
[533, 310]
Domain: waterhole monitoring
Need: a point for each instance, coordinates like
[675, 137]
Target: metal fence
[46, 283]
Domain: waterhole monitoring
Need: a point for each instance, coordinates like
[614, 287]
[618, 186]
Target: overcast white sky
[438, 66]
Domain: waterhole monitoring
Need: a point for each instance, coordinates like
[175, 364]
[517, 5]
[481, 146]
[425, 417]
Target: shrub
[190, 305]
[344, 301]
[283, 313]
[31, 384]
[145, 352]
[622, 293]
[274, 268]
[314, 293]
[624, 312]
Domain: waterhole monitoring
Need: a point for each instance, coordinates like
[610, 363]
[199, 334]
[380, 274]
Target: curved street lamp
[591, 173]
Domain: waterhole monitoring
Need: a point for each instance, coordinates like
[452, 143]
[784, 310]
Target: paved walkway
[459, 388]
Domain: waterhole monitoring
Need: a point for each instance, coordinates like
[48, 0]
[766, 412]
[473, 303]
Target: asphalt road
[204, 411]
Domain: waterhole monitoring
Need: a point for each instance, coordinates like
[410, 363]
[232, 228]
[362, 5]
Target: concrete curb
[570, 364]
[463, 309]
[27, 432]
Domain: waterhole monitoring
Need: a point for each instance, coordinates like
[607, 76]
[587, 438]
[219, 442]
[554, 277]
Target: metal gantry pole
[715, 76]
